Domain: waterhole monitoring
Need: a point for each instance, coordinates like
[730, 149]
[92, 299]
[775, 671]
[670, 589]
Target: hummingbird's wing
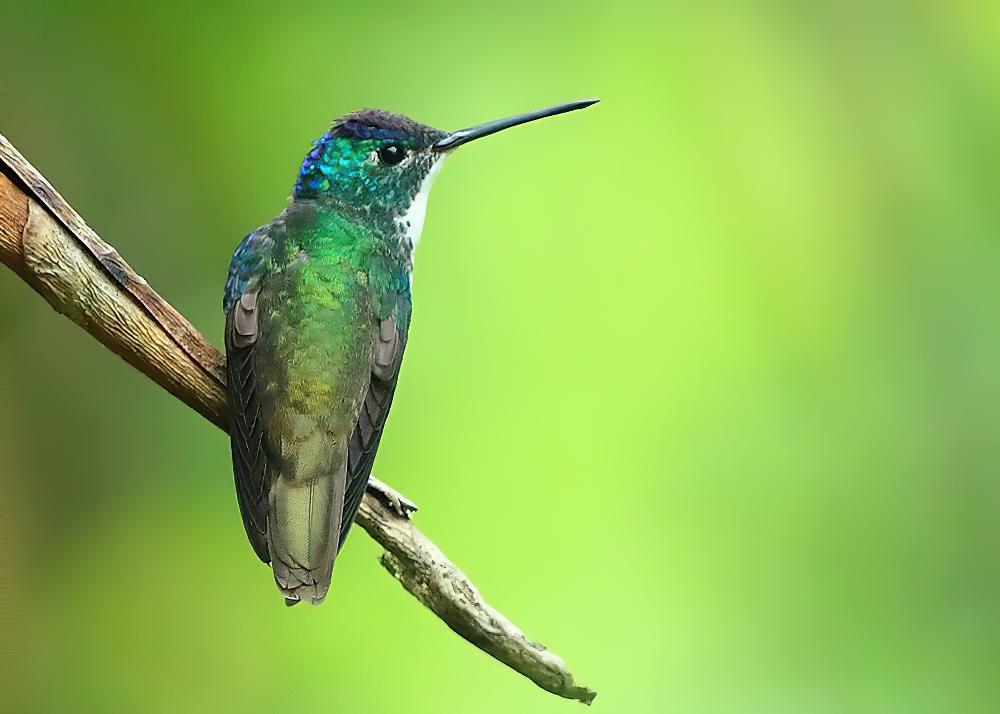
[247, 437]
[386, 358]
[250, 463]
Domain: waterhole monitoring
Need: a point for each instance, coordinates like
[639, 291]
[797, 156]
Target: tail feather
[303, 532]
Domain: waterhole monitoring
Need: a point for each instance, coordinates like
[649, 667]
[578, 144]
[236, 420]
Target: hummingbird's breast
[319, 318]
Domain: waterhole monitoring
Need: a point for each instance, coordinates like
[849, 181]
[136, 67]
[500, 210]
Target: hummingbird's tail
[303, 532]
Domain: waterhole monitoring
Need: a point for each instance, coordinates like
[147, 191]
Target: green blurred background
[702, 389]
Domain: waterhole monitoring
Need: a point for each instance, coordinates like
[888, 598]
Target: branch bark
[45, 242]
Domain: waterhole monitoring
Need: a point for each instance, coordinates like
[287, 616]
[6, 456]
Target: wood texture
[429, 576]
[46, 243]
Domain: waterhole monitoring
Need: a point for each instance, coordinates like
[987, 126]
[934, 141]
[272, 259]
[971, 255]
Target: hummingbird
[318, 305]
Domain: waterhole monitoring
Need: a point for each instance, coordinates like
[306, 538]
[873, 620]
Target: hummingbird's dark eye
[391, 154]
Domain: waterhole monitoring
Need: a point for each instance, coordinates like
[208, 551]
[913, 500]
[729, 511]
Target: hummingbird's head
[384, 163]
[370, 158]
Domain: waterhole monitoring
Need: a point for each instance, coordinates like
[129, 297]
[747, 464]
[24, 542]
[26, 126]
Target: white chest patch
[411, 223]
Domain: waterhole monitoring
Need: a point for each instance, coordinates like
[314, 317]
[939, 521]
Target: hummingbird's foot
[392, 498]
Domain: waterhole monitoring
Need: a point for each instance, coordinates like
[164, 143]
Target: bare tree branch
[45, 242]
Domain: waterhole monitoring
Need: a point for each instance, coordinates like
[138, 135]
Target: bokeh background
[702, 390]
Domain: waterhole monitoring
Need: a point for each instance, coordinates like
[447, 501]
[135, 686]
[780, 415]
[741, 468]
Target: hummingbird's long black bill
[464, 136]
